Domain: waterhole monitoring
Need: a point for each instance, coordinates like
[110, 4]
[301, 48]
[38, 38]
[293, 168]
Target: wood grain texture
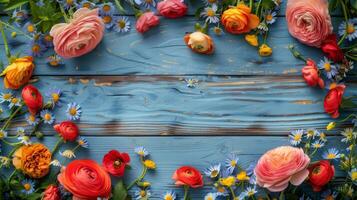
[172, 152]
[162, 51]
[217, 105]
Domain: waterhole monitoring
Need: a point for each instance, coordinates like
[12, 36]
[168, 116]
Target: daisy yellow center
[217, 30]
[327, 67]
[233, 163]
[2, 134]
[73, 111]
[142, 193]
[14, 100]
[48, 38]
[212, 1]
[310, 133]
[350, 28]
[168, 197]
[221, 189]
[19, 14]
[317, 145]
[7, 96]
[81, 142]
[148, 1]
[214, 173]
[333, 85]
[30, 28]
[27, 186]
[31, 118]
[331, 156]
[121, 23]
[86, 5]
[269, 17]
[209, 198]
[210, 13]
[107, 19]
[54, 63]
[250, 193]
[55, 97]
[141, 153]
[106, 8]
[36, 48]
[354, 176]
[69, 2]
[47, 117]
[297, 137]
[322, 135]
[329, 197]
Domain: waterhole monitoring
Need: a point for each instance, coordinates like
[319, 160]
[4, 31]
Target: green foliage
[13, 4]
[268, 4]
[353, 4]
[45, 16]
[120, 192]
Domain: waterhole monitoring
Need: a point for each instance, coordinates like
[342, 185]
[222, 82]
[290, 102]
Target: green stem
[119, 7]
[258, 7]
[6, 45]
[16, 29]
[55, 148]
[65, 16]
[186, 187]
[296, 54]
[10, 143]
[13, 151]
[232, 192]
[7, 123]
[11, 176]
[251, 4]
[142, 175]
[346, 19]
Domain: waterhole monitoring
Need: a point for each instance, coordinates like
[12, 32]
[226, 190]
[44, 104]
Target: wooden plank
[162, 51]
[172, 152]
[217, 105]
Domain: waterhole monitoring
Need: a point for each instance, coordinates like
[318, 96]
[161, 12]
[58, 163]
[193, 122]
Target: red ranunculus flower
[51, 193]
[86, 180]
[320, 174]
[115, 162]
[311, 74]
[146, 21]
[187, 175]
[330, 47]
[32, 98]
[68, 130]
[172, 8]
[333, 100]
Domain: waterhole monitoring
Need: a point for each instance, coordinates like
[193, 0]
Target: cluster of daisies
[213, 8]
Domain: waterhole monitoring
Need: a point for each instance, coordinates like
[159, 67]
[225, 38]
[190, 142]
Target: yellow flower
[265, 50]
[146, 184]
[242, 176]
[252, 39]
[331, 126]
[228, 181]
[18, 73]
[150, 164]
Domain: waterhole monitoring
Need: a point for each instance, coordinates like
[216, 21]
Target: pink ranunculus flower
[147, 21]
[279, 166]
[309, 21]
[80, 36]
[172, 8]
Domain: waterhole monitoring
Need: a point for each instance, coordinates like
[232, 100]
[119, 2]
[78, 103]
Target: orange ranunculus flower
[199, 42]
[33, 160]
[239, 20]
[18, 73]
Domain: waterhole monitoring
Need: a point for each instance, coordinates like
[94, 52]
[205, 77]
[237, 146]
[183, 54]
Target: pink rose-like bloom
[147, 21]
[80, 36]
[309, 21]
[279, 166]
[172, 8]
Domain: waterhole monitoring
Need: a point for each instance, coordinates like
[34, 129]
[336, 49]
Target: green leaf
[354, 4]
[120, 192]
[348, 103]
[268, 4]
[332, 5]
[15, 4]
[198, 12]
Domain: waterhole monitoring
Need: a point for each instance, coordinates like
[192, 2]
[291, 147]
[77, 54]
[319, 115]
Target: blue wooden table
[133, 92]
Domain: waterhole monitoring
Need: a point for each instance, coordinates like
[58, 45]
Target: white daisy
[213, 171]
[209, 13]
[349, 28]
[122, 24]
[296, 137]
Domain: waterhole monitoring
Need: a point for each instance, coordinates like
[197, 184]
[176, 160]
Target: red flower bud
[146, 21]
[320, 174]
[189, 176]
[51, 193]
[68, 130]
[115, 162]
[172, 8]
[333, 100]
[32, 98]
[330, 47]
[311, 74]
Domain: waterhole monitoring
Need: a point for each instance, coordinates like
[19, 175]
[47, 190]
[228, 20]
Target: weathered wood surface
[217, 105]
[172, 152]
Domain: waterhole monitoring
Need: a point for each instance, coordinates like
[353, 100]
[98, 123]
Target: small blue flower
[47, 116]
[211, 196]
[14, 102]
[349, 28]
[213, 171]
[318, 144]
[270, 17]
[83, 142]
[122, 24]
[250, 191]
[141, 151]
[312, 133]
[47, 40]
[142, 194]
[73, 111]
[67, 4]
[232, 163]
[20, 15]
[331, 154]
[329, 68]
[32, 119]
[296, 136]
[37, 48]
[108, 21]
[55, 96]
[146, 3]
[3, 134]
[54, 60]
[28, 186]
[349, 135]
[5, 97]
[106, 8]
[169, 195]
[29, 28]
[85, 4]
[40, 3]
